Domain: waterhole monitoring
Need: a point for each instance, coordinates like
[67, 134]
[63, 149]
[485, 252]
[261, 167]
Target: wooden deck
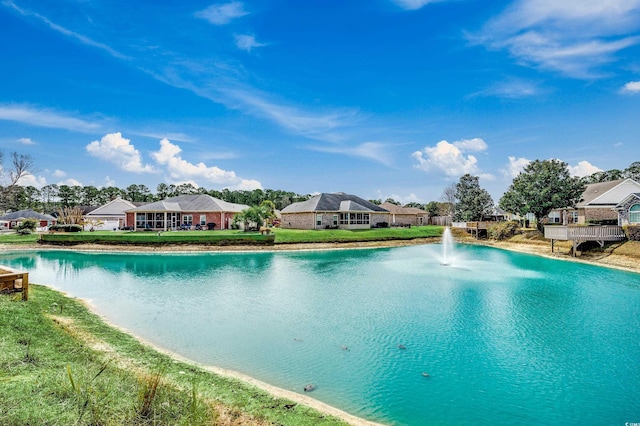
[579, 234]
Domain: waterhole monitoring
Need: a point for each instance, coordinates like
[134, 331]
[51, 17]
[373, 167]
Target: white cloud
[70, 182]
[221, 14]
[247, 42]
[450, 158]
[584, 168]
[58, 173]
[108, 182]
[515, 166]
[631, 87]
[26, 141]
[117, 150]
[573, 37]
[181, 170]
[413, 4]
[31, 180]
[44, 118]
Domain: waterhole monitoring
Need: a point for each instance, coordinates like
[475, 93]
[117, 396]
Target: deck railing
[584, 233]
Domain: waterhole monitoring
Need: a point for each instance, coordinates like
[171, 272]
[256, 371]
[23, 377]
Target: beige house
[403, 216]
[109, 216]
[598, 203]
[335, 210]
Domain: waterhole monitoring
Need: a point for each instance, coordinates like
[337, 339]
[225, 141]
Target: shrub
[633, 232]
[65, 228]
[504, 230]
[28, 225]
[24, 231]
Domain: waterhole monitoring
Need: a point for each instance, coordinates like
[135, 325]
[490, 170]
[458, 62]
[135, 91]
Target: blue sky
[378, 98]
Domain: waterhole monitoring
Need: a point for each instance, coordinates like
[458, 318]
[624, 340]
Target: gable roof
[191, 203]
[599, 194]
[334, 202]
[396, 209]
[113, 208]
[27, 214]
[628, 200]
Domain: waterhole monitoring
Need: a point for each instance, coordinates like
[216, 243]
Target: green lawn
[61, 365]
[284, 236]
[15, 238]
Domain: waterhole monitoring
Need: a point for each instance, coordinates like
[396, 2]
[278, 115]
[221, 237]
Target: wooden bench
[15, 282]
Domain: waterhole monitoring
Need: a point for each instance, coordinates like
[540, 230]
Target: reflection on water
[505, 338]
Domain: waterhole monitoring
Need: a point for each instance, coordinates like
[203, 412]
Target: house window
[141, 220]
[554, 217]
[318, 220]
[344, 218]
[187, 219]
[574, 216]
[335, 220]
[203, 219]
[634, 214]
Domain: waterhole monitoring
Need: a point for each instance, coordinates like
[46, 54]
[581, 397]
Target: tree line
[542, 186]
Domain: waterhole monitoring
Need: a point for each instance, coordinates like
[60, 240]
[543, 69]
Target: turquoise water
[506, 338]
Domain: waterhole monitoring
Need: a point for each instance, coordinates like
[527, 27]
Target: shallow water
[506, 338]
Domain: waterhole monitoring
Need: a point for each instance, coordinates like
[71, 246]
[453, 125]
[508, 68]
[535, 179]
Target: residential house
[333, 210]
[13, 219]
[403, 216]
[598, 203]
[629, 210]
[109, 216]
[184, 212]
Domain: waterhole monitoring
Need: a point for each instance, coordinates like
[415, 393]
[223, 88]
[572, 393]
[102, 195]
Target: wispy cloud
[450, 158]
[414, 4]
[294, 119]
[375, 151]
[119, 151]
[179, 169]
[510, 88]
[631, 87]
[247, 42]
[221, 14]
[573, 37]
[62, 30]
[45, 118]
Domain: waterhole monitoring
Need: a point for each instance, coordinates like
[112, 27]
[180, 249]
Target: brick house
[406, 215]
[598, 203]
[13, 219]
[184, 212]
[335, 210]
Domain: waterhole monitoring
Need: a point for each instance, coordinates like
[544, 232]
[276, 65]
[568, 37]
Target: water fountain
[447, 247]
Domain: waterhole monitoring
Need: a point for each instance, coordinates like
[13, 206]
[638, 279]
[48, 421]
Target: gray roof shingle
[334, 202]
[191, 203]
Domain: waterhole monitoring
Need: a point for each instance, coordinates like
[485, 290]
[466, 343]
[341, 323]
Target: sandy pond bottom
[504, 337]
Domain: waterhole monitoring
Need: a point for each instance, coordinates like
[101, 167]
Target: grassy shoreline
[62, 364]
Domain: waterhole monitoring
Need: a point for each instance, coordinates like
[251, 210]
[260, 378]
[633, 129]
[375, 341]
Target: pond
[502, 337]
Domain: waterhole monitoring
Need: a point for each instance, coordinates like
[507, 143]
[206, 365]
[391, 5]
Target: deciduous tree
[541, 187]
